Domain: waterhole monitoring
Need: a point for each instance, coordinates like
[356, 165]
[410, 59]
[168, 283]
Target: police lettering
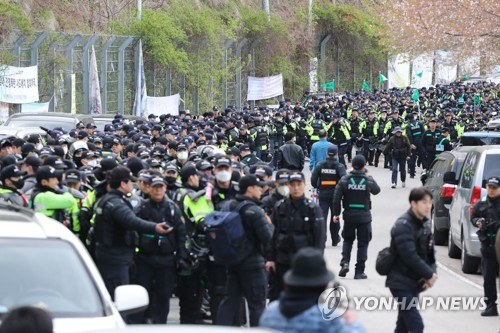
[356, 187]
[329, 171]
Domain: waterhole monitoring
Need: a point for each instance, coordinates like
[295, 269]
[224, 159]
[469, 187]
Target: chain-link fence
[64, 64]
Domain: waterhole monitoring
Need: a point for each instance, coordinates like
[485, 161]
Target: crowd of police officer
[137, 192]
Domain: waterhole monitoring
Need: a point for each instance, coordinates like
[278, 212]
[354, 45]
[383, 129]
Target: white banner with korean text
[260, 88]
[18, 85]
[163, 105]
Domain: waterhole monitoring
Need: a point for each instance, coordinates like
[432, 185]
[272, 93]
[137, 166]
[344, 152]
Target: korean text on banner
[18, 84]
[264, 87]
[163, 105]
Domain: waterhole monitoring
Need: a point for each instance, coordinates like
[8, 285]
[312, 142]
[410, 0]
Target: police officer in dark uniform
[157, 257]
[246, 156]
[369, 130]
[115, 223]
[12, 183]
[353, 191]
[486, 217]
[298, 223]
[325, 178]
[429, 143]
[280, 191]
[414, 132]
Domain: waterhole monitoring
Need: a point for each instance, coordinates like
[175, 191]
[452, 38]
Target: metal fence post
[252, 69]
[322, 52]
[69, 71]
[34, 47]
[227, 45]
[17, 50]
[104, 72]
[121, 73]
[86, 73]
[238, 72]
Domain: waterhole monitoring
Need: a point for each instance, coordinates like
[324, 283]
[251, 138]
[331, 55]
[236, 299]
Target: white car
[44, 264]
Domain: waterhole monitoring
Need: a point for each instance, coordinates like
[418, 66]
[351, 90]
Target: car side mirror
[449, 177]
[131, 299]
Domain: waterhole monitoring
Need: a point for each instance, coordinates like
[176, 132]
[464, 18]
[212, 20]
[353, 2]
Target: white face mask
[266, 118]
[65, 149]
[39, 146]
[92, 163]
[283, 190]
[223, 176]
[183, 155]
[298, 118]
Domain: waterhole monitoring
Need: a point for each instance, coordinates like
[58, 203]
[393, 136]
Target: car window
[468, 170]
[48, 273]
[491, 166]
[67, 124]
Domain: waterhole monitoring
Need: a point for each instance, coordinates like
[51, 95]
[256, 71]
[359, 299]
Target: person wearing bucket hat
[296, 213]
[297, 309]
[115, 223]
[325, 177]
[353, 194]
[399, 149]
[486, 217]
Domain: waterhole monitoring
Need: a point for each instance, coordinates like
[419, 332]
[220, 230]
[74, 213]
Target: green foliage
[12, 17]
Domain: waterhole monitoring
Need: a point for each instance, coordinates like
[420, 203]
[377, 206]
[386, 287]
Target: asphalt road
[452, 284]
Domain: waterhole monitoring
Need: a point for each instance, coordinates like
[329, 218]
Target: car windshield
[67, 124]
[49, 274]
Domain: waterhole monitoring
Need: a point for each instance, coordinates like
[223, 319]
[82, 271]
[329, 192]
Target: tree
[466, 27]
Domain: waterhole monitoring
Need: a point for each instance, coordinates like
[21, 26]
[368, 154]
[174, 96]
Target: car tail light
[447, 190]
[475, 197]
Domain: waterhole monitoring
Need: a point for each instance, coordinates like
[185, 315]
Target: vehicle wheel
[453, 250]
[470, 264]
[440, 236]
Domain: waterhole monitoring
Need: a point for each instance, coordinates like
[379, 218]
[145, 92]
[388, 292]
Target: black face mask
[19, 184]
[170, 180]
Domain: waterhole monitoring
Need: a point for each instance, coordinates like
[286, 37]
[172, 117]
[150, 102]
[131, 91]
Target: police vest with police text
[358, 194]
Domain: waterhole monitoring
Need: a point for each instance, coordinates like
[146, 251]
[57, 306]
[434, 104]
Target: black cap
[73, 176]
[47, 172]
[358, 162]
[250, 180]
[244, 147]
[333, 150]
[296, 176]
[91, 125]
[32, 160]
[12, 170]
[157, 180]
[121, 173]
[82, 134]
[188, 171]
[222, 161]
[308, 269]
[5, 143]
[493, 181]
[263, 171]
[282, 176]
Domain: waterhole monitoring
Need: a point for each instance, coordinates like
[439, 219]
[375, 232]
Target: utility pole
[139, 68]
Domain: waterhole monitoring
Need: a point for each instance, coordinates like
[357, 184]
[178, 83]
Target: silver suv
[480, 164]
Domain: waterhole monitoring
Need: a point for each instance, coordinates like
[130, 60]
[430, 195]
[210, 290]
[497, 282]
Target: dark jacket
[411, 241]
[291, 156]
[324, 174]
[257, 231]
[115, 226]
[354, 191]
[399, 146]
[270, 201]
[161, 251]
[298, 223]
[489, 209]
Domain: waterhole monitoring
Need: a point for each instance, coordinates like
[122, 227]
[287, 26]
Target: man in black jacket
[291, 155]
[157, 257]
[247, 278]
[115, 226]
[400, 149]
[298, 223]
[486, 217]
[354, 191]
[414, 268]
[325, 178]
